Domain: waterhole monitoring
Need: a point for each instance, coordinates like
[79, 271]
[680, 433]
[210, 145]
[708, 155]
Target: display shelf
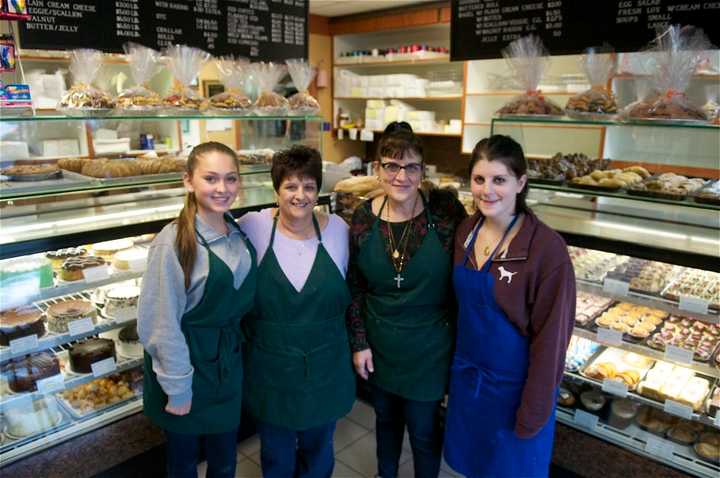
[9, 191]
[704, 368]
[444, 60]
[565, 120]
[696, 416]
[52, 339]
[569, 189]
[411, 98]
[639, 441]
[12, 451]
[72, 380]
[652, 301]
[159, 116]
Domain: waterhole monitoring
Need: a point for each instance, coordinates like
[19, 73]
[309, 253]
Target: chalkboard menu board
[258, 29]
[480, 29]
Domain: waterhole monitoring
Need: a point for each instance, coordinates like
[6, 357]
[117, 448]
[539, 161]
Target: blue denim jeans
[286, 453]
[183, 452]
[392, 414]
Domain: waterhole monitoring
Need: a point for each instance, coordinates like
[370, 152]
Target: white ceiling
[336, 8]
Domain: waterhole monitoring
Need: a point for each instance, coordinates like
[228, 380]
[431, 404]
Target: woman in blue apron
[299, 378]
[515, 288]
[402, 316]
[199, 284]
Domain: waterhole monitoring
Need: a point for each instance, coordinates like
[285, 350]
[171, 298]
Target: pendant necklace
[397, 257]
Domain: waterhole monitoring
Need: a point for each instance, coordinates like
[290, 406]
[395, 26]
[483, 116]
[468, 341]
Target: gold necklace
[404, 237]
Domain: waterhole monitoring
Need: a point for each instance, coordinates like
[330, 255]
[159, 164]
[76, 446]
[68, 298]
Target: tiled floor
[354, 450]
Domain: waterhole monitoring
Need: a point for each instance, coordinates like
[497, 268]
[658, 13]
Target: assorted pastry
[710, 193]
[82, 96]
[613, 178]
[615, 364]
[57, 258]
[589, 306]
[637, 321]
[642, 275]
[704, 285]
[656, 107]
[699, 337]
[579, 350]
[670, 184]
[98, 394]
[60, 314]
[73, 267]
[595, 100]
[655, 421]
[26, 171]
[666, 381]
[564, 166]
[530, 105]
[20, 322]
[593, 265]
[708, 446]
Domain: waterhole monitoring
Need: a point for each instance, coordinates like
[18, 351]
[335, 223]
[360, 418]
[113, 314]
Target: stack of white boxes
[348, 84]
[379, 113]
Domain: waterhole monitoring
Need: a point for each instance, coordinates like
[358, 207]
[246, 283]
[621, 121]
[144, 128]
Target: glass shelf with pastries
[49, 155]
[665, 162]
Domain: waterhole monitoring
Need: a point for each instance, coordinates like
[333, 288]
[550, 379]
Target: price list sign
[269, 30]
[480, 29]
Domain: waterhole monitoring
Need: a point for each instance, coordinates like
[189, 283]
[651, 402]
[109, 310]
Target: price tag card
[657, 446]
[138, 265]
[615, 387]
[616, 287]
[56, 383]
[80, 327]
[103, 367]
[23, 344]
[609, 336]
[585, 419]
[366, 135]
[678, 355]
[95, 274]
[693, 304]
[352, 133]
[340, 133]
[679, 409]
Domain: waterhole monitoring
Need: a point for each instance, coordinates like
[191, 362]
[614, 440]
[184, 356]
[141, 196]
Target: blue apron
[486, 382]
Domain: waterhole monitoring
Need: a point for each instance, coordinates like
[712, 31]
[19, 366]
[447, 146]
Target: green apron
[299, 371]
[214, 336]
[407, 318]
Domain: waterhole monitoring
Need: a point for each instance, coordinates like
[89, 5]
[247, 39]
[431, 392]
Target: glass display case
[73, 250]
[643, 369]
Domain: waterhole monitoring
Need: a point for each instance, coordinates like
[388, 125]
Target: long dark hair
[185, 240]
[509, 152]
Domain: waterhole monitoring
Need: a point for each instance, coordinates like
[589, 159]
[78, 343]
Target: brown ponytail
[185, 240]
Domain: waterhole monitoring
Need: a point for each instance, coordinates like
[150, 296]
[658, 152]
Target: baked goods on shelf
[184, 102]
[22, 373]
[126, 259]
[128, 343]
[593, 401]
[111, 168]
[564, 167]
[637, 321]
[83, 354]
[160, 165]
[622, 413]
[108, 249]
[98, 394]
[231, 101]
[685, 432]
[32, 172]
[616, 364]
[667, 381]
[83, 96]
[699, 337]
[589, 306]
[655, 421]
[704, 285]
[593, 265]
[121, 302]
[136, 100]
[60, 314]
[642, 275]
[31, 418]
[57, 258]
[73, 164]
[669, 185]
[565, 397]
[72, 268]
[20, 322]
[255, 156]
[708, 446]
[595, 100]
[612, 178]
[656, 108]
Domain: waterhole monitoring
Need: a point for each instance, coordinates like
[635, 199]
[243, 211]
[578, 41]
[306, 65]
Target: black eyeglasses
[412, 169]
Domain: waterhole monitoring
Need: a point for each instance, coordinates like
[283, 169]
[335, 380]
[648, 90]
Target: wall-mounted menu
[258, 29]
[480, 29]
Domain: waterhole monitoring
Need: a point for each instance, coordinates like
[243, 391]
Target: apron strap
[317, 228]
[486, 267]
[428, 214]
[229, 219]
[471, 244]
[316, 225]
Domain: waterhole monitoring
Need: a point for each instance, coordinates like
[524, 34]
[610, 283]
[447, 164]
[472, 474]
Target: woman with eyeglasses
[401, 318]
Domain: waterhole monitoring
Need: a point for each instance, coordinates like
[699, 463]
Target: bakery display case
[74, 244]
[639, 210]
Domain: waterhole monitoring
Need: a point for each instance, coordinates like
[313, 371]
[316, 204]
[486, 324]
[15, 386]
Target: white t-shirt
[296, 257]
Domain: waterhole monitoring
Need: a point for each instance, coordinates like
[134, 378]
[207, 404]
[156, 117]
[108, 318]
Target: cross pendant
[398, 278]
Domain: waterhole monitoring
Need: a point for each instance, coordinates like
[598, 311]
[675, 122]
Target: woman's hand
[182, 409]
[363, 363]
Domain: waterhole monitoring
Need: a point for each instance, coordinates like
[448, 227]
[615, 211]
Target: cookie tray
[67, 181]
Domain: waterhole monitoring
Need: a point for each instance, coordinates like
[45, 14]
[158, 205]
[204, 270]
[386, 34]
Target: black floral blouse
[447, 213]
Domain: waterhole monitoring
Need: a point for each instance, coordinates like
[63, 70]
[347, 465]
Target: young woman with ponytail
[199, 284]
